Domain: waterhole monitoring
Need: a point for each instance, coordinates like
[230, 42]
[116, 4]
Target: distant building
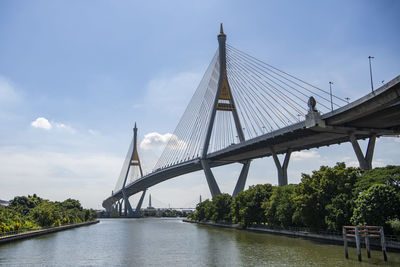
[4, 203]
[150, 207]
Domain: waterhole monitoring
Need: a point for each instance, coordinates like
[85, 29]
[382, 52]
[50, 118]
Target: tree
[389, 175]
[23, 204]
[222, 206]
[46, 214]
[280, 207]
[246, 207]
[204, 210]
[376, 205]
[315, 194]
[71, 204]
[339, 211]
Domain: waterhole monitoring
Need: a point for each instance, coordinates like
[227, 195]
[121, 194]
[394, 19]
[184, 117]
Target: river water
[171, 242]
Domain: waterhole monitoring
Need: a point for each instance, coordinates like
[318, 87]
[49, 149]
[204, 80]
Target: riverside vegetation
[326, 200]
[33, 212]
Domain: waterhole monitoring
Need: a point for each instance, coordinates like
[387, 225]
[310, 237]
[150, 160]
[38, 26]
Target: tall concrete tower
[223, 102]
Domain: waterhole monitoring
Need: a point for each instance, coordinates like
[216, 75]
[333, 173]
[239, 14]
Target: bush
[395, 225]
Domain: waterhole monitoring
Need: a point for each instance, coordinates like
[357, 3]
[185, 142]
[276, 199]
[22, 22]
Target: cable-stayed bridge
[245, 109]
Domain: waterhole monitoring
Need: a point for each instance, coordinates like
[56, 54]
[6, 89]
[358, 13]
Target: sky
[76, 75]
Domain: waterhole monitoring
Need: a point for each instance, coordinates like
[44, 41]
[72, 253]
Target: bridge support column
[113, 208]
[120, 207]
[364, 161]
[242, 178]
[128, 208]
[139, 205]
[108, 209]
[212, 184]
[282, 169]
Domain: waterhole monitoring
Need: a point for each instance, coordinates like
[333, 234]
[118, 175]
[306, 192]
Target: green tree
[11, 220]
[23, 204]
[376, 205]
[389, 175]
[246, 207]
[46, 214]
[204, 210]
[339, 211]
[71, 204]
[280, 207]
[316, 192]
[222, 207]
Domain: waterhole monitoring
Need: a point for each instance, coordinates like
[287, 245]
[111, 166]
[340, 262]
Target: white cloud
[155, 140]
[305, 155]
[64, 127]
[379, 163]
[352, 163]
[158, 141]
[42, 123]
[375, 163]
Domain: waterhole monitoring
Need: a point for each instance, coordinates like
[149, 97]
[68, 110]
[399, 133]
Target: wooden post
[357, 234]
[346, 250]
[367, 245]
[383, 244]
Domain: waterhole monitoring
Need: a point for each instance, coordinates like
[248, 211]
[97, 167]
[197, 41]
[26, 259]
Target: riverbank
[393, 246]
[29, 234]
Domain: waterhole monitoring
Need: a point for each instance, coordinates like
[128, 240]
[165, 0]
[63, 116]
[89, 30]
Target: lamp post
[370, 72]
[330, 90]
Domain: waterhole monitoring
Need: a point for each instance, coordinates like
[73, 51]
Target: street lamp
[330, 90]
[370, 72]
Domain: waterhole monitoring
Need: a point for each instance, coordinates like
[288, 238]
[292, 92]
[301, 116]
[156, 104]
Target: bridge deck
[376, 113]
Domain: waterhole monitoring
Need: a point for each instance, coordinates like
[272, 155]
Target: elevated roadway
[374, 115]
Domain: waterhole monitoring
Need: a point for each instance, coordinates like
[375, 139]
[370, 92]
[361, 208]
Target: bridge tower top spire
[222, 50]
[221, 30]
[135, 132]
[135, 156]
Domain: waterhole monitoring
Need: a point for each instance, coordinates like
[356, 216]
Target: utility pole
[330, 90]
[370, 72]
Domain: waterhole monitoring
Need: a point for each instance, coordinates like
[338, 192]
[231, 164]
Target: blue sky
[93, 68]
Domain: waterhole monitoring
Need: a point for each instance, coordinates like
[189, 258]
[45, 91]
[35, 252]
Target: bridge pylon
[134, 162]
[223, 102]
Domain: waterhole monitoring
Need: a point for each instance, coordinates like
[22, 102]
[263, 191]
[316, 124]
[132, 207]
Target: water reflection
[170, 242]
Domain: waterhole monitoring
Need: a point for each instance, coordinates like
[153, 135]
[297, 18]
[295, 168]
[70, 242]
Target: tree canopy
[328, 199]
[34, 212]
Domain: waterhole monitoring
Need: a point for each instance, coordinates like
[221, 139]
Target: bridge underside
[376, 114]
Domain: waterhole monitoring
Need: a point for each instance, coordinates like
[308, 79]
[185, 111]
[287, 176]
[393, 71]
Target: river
[171, 242]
